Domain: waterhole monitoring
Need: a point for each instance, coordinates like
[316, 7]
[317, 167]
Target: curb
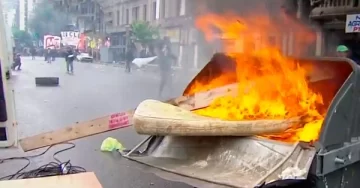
[152, 68]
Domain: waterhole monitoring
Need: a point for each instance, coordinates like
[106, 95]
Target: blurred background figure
[344, 51]
[129, 57]
[69, 58]
[165, 59]
[17, 62]
[33, 52]
[53, 53]
[48, 55]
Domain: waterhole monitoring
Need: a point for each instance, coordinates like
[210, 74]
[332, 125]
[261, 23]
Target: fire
[270, 85]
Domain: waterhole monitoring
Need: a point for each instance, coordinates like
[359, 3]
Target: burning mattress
[157, 118]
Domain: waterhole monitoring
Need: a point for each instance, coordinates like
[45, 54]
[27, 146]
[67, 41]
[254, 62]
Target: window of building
[118, 17]
[127, 16]
[135, 13]
[145, 13]
[83, 9]
[154, 10]
[163, 9]
[178, 8]
[92, 7]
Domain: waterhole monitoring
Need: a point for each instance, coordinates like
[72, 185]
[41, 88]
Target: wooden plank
[81, 180]
[78, 130]
[203, 99]
[116, 121]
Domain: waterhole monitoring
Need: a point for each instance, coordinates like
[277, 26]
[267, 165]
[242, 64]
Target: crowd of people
[165, 60]
[161, 48]
[69, 55]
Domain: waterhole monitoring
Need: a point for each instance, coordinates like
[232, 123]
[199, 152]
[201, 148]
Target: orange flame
[273, 86]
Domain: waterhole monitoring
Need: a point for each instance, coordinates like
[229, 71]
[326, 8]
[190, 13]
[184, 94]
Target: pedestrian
[33, 53]
[344, 51]
[53, 54]
[165, 59]
[48, 55]
[17, 62]
[129, 57]
[69, 58]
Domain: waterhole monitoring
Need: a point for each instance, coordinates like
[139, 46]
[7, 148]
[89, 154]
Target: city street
[93, 91]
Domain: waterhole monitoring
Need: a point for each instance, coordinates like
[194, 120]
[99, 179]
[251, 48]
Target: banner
[352, 24]
[70, 38]
[52, 42]
[82, 41]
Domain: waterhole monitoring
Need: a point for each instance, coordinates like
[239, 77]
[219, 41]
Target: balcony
[106, 3]
[335, 8]
[111, 28]
[176, 21]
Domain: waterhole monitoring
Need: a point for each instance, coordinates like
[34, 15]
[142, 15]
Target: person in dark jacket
[165, 59]
[69, 58]
[48, 55]
[129, 57]
[53, 53]
[33, 53]
[17, 62]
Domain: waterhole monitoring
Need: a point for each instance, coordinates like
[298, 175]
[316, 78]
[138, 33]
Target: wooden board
[78, 130]
[157, 118]
[82, 180]
[203, 99]
[124, 119]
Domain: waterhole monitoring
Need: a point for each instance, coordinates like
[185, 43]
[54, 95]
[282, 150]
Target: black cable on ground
[51, 169]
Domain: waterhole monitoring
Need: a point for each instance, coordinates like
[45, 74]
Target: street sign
[52, 42]
[352, 24]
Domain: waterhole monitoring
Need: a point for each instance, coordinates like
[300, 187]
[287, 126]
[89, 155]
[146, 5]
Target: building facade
[9, 12]
[24, 11]
[331, 16]
[86, 15]
[9, 17]
[174, 18]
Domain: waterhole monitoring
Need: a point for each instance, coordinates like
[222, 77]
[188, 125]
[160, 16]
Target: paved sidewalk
[148, 68]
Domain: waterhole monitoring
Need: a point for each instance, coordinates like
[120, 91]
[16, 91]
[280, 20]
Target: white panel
[180, 56]
[158, 9]
[182, 7]
[196, 56]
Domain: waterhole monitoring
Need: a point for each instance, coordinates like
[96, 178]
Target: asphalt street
[93, 91]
